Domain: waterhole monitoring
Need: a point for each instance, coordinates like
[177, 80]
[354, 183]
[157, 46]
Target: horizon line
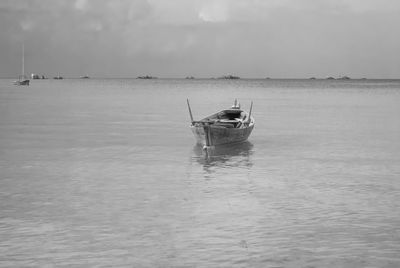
[213, 78]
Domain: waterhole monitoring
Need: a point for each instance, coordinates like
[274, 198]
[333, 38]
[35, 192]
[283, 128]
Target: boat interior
[232, 118]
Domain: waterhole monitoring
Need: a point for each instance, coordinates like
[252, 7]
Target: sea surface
[106, 173]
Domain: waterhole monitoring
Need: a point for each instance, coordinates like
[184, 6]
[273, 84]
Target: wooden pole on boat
[190, 110]
[251, 108]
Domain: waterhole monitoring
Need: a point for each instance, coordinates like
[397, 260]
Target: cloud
[361, 6]
[27, 25]
[93, 25]
[81, 5]
[214, 11]
[205, 37]
[50, 13]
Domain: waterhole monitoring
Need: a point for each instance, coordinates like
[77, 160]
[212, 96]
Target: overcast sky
[203, 38]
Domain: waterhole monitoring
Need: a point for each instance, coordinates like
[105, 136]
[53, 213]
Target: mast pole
[23, 59]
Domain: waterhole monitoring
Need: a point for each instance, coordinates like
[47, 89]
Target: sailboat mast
[23, 59]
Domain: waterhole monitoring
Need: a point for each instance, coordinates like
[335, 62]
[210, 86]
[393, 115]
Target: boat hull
[22, 83]
[221, 135]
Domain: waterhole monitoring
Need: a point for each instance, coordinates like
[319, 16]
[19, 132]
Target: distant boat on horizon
[229, 77]
[58, 77]
[84, 77]
[36, 76]
[22, 80]
[146, 77]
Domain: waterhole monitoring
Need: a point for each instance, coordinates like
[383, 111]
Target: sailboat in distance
[22, 80]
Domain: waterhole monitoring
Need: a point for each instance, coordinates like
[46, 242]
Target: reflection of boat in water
[226, 127]
[227, 151]
[22, 80]
[236, 156]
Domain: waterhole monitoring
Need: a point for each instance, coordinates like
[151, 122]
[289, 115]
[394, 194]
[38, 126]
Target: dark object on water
[225, 127]
[330, 78]
[22, 80]
[344, 78]
[229, 77]
[36, 76]
[189, 77]
[312, 78]
[58, 77]
[85, 77]
[146, 77]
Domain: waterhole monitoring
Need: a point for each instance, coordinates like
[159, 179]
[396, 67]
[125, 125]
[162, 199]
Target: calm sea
[106, 173]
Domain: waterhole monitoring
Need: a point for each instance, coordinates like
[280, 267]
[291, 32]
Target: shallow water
[106, 173]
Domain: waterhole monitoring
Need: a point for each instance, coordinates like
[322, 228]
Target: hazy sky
[203, 38]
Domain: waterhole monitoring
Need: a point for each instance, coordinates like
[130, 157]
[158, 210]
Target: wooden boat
[225, 127]
[22, 80]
